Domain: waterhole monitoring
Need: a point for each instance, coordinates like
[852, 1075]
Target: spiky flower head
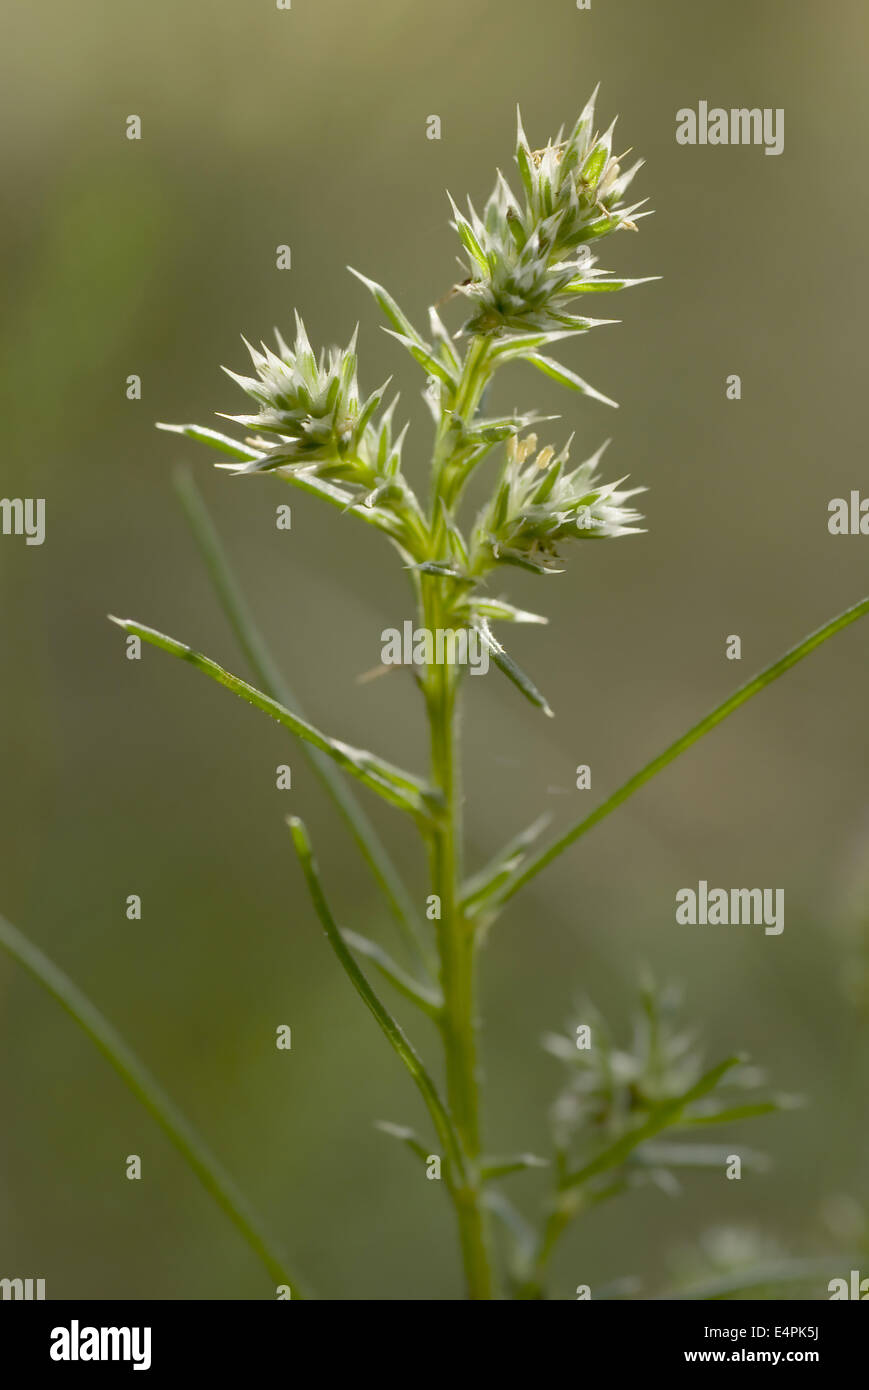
[528, 257]
[311, 412]
[540, 503]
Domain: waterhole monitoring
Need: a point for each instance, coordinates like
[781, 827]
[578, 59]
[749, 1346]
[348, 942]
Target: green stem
[447, 482]
[457, 957]
[455, 937]
[144, 1087]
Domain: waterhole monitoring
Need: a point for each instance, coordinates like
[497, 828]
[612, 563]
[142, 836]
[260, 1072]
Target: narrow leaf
[524, 344]
[468, 236]
[584, 286]
[428, 1000]
[392, 1030]
[513, 672]
[730, 1113]
[215, 440]
[392, 311]
[406, 1136]
[425, 357]
[481, 886]
[399, 788]
[566, 377]
[522, 1236]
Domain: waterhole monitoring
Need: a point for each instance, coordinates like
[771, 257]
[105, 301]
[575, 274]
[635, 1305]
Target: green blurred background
[307, 127]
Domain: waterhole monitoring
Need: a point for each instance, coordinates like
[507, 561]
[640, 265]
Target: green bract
[313, 409]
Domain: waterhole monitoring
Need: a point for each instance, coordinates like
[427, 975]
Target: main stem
[456, 950]
[456, 944]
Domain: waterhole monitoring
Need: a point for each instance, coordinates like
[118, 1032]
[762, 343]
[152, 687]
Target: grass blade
[393, 1031]
[681, 745]
[146, 1089]
[269, 677]
[399, 788]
